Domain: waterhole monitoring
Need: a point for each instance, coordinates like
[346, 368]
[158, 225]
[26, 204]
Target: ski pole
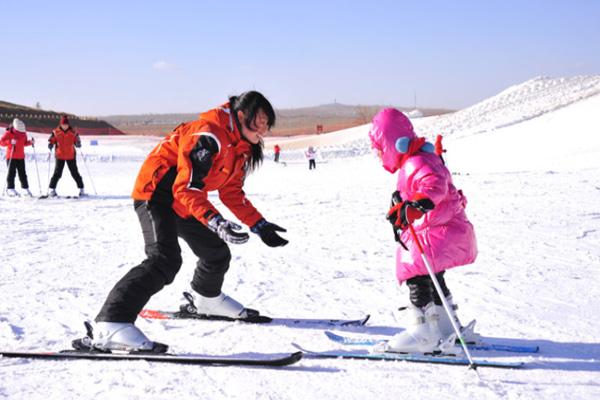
[88, 171]
[12, 149]
[36, 167]
[49, 165]
[472, 364]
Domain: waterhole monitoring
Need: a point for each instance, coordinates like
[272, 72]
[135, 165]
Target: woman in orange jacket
[65, 139]
[213, 153]
[15, 139]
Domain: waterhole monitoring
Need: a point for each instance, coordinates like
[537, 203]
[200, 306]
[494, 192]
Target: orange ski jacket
[209, 154]
[65, 143]
[15, 151]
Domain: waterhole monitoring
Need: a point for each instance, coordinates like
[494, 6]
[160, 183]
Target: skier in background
[215, 152]
[15, 139]
[276, 150]
[439, 148]
[311, 155]
[426, 198]
[66, 140]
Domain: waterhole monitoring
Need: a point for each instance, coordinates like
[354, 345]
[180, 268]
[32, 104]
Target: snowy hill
[531, 178]
[516, 104]
[544, 123]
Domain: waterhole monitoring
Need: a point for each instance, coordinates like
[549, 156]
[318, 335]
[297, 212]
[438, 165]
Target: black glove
[268, 233]
[50, 146]
[78, 144]
[409, 211]
[392, 217]
[226, 230]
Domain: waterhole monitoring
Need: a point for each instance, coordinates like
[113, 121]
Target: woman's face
[258, 128]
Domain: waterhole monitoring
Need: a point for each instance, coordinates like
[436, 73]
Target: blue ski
[483, 346]
[420, 358]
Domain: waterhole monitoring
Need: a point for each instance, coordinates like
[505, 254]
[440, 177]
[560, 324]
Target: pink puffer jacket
[445, 232]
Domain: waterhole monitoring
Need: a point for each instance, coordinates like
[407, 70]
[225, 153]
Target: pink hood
[389, 125]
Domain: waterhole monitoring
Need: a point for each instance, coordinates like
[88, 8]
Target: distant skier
[15, 139]
[439, 148]
[277, 151]
[311, 155]
[215, 152]
[66, 140]
[426, 198]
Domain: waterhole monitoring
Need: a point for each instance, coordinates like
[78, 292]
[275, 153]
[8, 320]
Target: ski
[260, 319]
[45, 196]
[362, 341]
[188, 311]
[418, 358]
[260, 360]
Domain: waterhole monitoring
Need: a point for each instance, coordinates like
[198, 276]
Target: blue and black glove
[268, 233]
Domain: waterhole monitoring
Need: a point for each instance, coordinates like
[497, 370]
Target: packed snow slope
[534, 198]
[538, 97]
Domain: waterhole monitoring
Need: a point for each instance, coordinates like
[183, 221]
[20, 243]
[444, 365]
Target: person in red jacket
[15, 139]
[65, 139]
[277, 151]
[213, 153]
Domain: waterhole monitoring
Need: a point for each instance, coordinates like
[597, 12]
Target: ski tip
[359, 322]
[332, 335]
[152, 314]
[297, 356]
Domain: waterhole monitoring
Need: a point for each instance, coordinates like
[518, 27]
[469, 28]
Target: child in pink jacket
[427, 199]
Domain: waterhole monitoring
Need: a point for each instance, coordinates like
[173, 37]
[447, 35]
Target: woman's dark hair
[250, 103]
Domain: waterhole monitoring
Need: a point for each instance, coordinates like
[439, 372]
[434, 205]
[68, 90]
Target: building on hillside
[45, 121]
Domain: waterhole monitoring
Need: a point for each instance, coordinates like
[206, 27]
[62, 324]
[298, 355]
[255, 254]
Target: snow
[532, 180]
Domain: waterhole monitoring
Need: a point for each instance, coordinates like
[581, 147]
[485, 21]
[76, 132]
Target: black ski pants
[14, 166]
[422, 291]
[58, 170]
[161, 227]
[312, 164]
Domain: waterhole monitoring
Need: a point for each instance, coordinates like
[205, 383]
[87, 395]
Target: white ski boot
[123, 336]
[422, 336]
[82, 192]
[28, 193]
[221, 306]
[12, 193]
[52, 193]
[446, 329]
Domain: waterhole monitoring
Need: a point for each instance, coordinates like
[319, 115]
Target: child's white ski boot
[422, 336]
[446, 329]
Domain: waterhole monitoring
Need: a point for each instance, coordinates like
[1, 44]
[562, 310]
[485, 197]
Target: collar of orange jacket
[223, 116]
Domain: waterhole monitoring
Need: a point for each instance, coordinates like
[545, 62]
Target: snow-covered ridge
[516, 104]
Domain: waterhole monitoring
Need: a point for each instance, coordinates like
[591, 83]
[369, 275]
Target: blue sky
[126, 57]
